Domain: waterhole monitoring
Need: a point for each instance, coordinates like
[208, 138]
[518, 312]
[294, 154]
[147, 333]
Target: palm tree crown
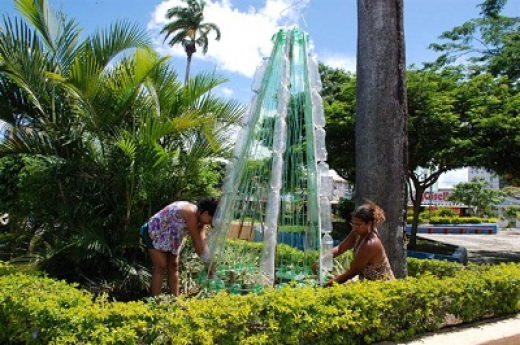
[189, 29]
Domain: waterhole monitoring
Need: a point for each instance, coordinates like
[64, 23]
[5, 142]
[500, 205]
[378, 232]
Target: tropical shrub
[108, 135]
[444, 212]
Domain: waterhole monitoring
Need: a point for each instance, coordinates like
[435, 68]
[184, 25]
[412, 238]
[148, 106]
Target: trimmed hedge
[39, 310]
[452, 220]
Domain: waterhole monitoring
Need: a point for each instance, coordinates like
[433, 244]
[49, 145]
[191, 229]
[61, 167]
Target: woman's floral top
[167, 228]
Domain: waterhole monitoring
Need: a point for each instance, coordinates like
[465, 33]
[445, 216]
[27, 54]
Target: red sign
[435, 196]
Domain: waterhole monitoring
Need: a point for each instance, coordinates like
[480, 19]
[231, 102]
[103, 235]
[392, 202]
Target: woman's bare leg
[173, 274]
[160, 262]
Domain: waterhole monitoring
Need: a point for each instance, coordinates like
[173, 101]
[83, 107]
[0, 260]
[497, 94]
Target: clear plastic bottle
[314, 74]
[283, 100]
[279, 136]
[240, 141]
[220, 284]
[259, 75]
[325, 180]
[327, 246]
[321, 149]
[235, 288]
[325, 215]
[318, 113]
[212, 285]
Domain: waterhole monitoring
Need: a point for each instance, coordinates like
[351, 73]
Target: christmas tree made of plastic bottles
[277, 187]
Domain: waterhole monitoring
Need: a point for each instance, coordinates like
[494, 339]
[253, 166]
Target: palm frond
[25, 140]
[105, 45]
[178, 32]
[206, 28]
[61, 36]
[202, 41]
[24, 62]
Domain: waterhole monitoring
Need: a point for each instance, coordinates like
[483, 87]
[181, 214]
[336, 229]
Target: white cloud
[453, 177]
[226, 91]
[334, 60]
[246, 35]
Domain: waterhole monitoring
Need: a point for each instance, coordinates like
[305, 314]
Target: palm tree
[189, 29]
[111, 135]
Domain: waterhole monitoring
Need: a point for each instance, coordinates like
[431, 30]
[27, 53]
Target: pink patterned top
[167, 228]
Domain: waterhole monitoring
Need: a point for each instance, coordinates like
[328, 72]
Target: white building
[490, 178]
[340, 187]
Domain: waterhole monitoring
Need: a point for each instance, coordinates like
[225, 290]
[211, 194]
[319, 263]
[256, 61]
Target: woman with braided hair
[370, 260]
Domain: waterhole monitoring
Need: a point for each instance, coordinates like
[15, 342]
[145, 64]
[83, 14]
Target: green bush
[38, 310]
[6, 268]
[424, 216]
[471, 220]
[444, 212]
[437, 268]
[461, 220]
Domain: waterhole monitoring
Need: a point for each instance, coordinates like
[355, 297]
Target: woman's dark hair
[207, 203]
[370, 212]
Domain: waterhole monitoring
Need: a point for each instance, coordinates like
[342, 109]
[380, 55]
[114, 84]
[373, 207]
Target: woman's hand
[314, 267]
[330, 283]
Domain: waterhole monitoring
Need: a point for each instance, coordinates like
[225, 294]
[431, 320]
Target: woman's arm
[364, 255]
[346, 244]
[197, 234]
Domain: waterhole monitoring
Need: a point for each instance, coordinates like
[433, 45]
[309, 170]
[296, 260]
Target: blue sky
[248, 25]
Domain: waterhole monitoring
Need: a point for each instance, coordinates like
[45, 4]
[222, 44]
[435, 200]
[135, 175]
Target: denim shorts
[146, 236]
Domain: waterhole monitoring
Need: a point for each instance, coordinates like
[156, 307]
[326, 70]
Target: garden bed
[430, 249]
[459, 229]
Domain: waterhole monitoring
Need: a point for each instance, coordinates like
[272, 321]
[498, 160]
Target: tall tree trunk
[416, 202]
[381, 120]
[188, 66]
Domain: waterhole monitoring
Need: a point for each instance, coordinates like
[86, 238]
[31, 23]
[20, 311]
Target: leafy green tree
[491, 43]
[339, 101]
[512, 214]
[14, 236]
[453, 122]
[480, 199]
[112, 136]
[437, 140]
[488, 106]
[189, 29]
[491, 46]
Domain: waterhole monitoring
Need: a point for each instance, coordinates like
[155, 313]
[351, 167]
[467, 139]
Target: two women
[165, 233]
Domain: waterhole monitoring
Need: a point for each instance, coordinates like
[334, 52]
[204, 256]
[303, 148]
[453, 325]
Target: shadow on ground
[492, 257]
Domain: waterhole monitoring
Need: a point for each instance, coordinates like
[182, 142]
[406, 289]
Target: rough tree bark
[381, 120]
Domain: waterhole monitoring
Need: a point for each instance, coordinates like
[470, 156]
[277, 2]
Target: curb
[497, 331]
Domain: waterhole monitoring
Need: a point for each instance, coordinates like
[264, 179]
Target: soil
[434, 247]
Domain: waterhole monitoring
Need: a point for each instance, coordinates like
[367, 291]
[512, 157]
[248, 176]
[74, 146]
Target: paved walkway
[501, 247]
[495, 332]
